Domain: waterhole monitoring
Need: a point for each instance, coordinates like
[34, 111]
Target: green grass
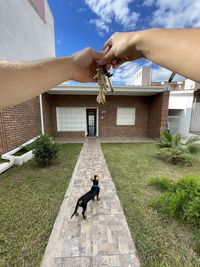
[30, 198]
[160, 242]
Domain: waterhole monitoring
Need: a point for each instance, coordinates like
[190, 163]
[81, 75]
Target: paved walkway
[103, 239]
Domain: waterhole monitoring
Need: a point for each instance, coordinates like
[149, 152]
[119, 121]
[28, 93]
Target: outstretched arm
[175, 49]
[21, 81]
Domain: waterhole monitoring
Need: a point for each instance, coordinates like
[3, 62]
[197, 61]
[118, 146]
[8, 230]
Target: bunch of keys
[102, 77]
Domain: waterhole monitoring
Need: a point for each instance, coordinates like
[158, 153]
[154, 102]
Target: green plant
[163, 183]
[183, 201]
[45, 150]
[174, 150]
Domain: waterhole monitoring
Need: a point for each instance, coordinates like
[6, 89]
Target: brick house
[72, 111]
[133, 111]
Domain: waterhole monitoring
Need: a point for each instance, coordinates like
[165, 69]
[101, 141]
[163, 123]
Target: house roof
[90, 89]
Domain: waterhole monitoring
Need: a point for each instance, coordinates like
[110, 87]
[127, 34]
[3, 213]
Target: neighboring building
[72, 111]
[184, 109]
[142, 76]
[27, 33]
[184, 103]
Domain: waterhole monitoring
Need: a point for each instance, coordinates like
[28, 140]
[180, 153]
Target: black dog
[83, 200]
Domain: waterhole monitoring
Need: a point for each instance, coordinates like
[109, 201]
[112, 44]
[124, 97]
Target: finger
[113, 61]
[106, 50]
[108, 43]
[105, 60]
[95, 54]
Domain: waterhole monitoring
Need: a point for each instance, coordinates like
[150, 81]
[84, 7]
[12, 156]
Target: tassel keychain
[102, 77]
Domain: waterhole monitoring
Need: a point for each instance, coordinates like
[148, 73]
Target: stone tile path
[103, 239]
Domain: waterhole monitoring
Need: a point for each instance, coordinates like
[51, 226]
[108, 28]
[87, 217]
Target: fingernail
[106, 50]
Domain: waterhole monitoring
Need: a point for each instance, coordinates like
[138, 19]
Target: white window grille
[195, 117]
[125, 116]
[70, 119]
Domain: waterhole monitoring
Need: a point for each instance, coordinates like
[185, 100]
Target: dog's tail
[76, 208]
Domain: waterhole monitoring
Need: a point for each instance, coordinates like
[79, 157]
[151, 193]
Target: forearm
[175, 49]
[22, 81]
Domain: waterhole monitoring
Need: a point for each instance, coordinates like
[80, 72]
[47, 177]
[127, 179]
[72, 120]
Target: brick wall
[158, 113]
[107, 124]
[47, 114]
[19, 124]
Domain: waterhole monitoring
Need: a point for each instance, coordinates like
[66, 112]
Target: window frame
[127, 122]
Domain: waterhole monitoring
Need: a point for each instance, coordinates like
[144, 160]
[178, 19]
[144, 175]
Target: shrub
[163, 183]
[45, 150]
[183, 201]
[174, 150]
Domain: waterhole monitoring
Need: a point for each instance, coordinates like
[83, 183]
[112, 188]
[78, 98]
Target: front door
[91, 122]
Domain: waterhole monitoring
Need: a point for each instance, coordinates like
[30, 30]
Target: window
[70, 119]
[125, 116]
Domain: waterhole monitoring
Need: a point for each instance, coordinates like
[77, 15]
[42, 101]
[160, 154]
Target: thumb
[95, 54]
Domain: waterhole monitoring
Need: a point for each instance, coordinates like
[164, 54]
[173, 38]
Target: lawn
[30, 198]
[160, 242]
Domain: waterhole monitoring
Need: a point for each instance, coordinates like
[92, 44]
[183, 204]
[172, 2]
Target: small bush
[174, 150]
[163, 183]
[45, 150]
[183, 201]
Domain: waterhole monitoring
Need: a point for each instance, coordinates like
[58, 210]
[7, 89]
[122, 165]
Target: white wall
[182, 101]
[142, 76]
[189, 84]
[23, 34]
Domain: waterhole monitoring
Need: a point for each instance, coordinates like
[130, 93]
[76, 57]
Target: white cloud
[162, 74]
[82, 9]
[177, 13]
[148, 2]
[125, 73]
[59, 41]
[114, 10]
[100, 25]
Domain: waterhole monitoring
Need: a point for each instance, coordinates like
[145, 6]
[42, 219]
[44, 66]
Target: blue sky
[83, 23]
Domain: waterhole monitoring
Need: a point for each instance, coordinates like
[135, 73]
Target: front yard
[30, 198]
[160, 242]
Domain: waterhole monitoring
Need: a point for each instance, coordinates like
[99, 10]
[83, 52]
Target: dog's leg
[98, 195]
[84, 209]
[77, 210]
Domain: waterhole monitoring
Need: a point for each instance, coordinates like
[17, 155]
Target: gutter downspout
[41, 114]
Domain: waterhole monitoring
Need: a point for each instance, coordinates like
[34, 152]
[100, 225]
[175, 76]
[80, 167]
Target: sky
[89, 23]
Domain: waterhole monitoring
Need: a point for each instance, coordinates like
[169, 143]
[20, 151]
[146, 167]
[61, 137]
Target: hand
[119, 48]
[84, 65]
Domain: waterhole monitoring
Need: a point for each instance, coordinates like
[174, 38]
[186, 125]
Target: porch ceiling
[79, 89]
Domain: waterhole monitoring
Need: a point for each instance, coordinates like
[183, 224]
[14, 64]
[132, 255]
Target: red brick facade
[151, 114]
[158, 113]
[22, 122]
[19, 124]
